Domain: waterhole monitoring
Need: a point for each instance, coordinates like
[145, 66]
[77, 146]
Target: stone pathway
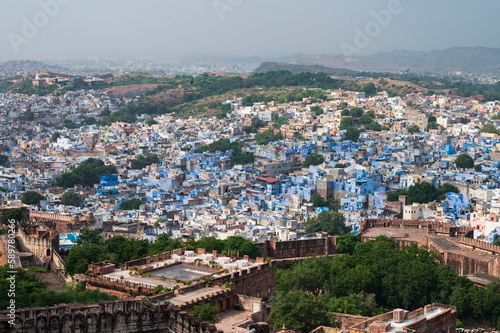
[231, 319]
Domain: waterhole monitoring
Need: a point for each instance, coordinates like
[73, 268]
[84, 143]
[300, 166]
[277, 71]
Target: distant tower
[37, 76]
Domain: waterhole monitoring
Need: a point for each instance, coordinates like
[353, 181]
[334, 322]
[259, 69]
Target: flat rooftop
[190, 295]
[397, 326]
[482, 278]
[413, 234]
[181, 271]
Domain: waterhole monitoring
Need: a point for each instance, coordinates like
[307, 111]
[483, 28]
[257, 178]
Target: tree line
[423, 192]
[376, 276]
[206, 86]
[86, 174]
[31, 290]
[92, 248]
[239, 157]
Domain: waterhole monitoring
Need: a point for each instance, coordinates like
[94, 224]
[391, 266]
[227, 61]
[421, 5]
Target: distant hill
[275, 66]
[466, 59]
[11, 68]
[331, 61]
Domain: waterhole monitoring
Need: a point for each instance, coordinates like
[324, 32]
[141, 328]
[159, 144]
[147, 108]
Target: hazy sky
[165, 28]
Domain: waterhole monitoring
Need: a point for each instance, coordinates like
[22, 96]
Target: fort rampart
[128, 316]
[41, 243]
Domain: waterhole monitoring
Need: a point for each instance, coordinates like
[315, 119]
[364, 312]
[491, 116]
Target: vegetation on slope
[377, 275]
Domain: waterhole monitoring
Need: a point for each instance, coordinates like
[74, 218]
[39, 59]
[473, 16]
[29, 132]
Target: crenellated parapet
[431, 226]
[128, 316]
[64, 223]
[45, 216]
[479, 245]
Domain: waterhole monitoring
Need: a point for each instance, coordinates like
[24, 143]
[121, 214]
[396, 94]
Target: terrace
[182, 272]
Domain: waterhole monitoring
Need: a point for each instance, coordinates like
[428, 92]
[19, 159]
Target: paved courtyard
[192, 295]
[231, 319]
[183, 272]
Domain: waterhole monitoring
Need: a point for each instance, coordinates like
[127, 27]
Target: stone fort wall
[41, 247]
[121, 316]
[432, 227]
[257, 281]
[129, 316]
[297, 248]
[63, 223]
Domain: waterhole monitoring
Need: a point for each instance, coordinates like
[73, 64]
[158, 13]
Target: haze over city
[164, 29]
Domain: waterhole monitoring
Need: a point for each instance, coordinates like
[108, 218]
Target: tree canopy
[239, 156]
[92, 248]
[489, 129]
[423, 192]
[255, 125]
[369, 89]
[374, 126]
[267, 136]
[346, 122]
[347, 242]
[313, 159]
[317, 109]
[234, 244]
[131, 204]
[464, 161]
[356, 112]
[394, 195]
[299, 311]
[375, 276]
[352, 134]
[318, 201]
[89, 237]
[207, 312]
[331, 222]
[141, 161]
[151, 122]
[31, 198]
[367, 118]
[3, 160]
[71, 198]
[31, 291]
[86, 174]
[15, 214]
[56, 135]
[413, 129]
